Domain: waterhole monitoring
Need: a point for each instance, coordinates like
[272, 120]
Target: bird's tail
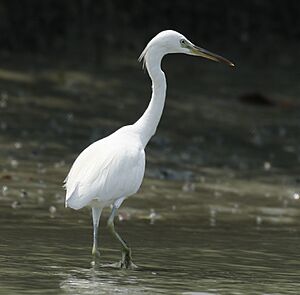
[73, 199]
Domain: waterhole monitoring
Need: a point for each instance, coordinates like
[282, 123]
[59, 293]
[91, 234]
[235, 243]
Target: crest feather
[143, 56]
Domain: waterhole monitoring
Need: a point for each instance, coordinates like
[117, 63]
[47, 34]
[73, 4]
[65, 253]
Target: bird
[112, 169]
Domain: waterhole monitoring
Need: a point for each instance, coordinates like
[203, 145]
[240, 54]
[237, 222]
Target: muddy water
[218, 212]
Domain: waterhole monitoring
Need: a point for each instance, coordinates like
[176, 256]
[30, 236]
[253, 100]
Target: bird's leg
[126, 261]
[96, 213]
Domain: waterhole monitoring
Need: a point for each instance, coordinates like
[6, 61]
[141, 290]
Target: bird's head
[170, 41]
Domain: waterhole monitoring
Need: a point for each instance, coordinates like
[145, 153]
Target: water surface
[218, 212]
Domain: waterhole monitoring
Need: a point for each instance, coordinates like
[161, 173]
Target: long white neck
[147, 124]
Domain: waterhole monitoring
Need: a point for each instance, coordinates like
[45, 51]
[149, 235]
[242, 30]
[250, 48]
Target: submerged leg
[96, 213]
[126, 261]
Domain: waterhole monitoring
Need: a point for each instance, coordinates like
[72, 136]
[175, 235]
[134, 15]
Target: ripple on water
[218, 212]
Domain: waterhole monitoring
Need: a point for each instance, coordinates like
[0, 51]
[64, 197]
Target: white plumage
[106, 171]
[112, 169]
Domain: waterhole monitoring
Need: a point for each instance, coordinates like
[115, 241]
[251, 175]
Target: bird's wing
[106, 170]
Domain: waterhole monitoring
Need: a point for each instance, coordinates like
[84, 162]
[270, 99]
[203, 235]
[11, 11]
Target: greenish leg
[126, 261]
[96, 213]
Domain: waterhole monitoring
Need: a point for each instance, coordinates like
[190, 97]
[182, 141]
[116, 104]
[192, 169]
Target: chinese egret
[112, 169]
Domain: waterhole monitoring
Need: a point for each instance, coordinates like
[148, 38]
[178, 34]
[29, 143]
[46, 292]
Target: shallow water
[218, 212]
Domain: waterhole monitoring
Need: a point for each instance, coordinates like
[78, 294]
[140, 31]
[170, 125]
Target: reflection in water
[101, 282]
[173, 255]
[218, 212]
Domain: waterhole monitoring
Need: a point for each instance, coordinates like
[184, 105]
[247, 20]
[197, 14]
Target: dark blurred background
[85, 51]
[89, 29]
[221, 188]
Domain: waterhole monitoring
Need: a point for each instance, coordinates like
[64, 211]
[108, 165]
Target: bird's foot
[126, 261]
[96, 255]
[128, 264]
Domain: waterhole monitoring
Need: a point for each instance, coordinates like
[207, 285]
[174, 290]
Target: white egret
[112, 169]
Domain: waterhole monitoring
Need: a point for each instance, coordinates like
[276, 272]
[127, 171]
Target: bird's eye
[182, 42]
